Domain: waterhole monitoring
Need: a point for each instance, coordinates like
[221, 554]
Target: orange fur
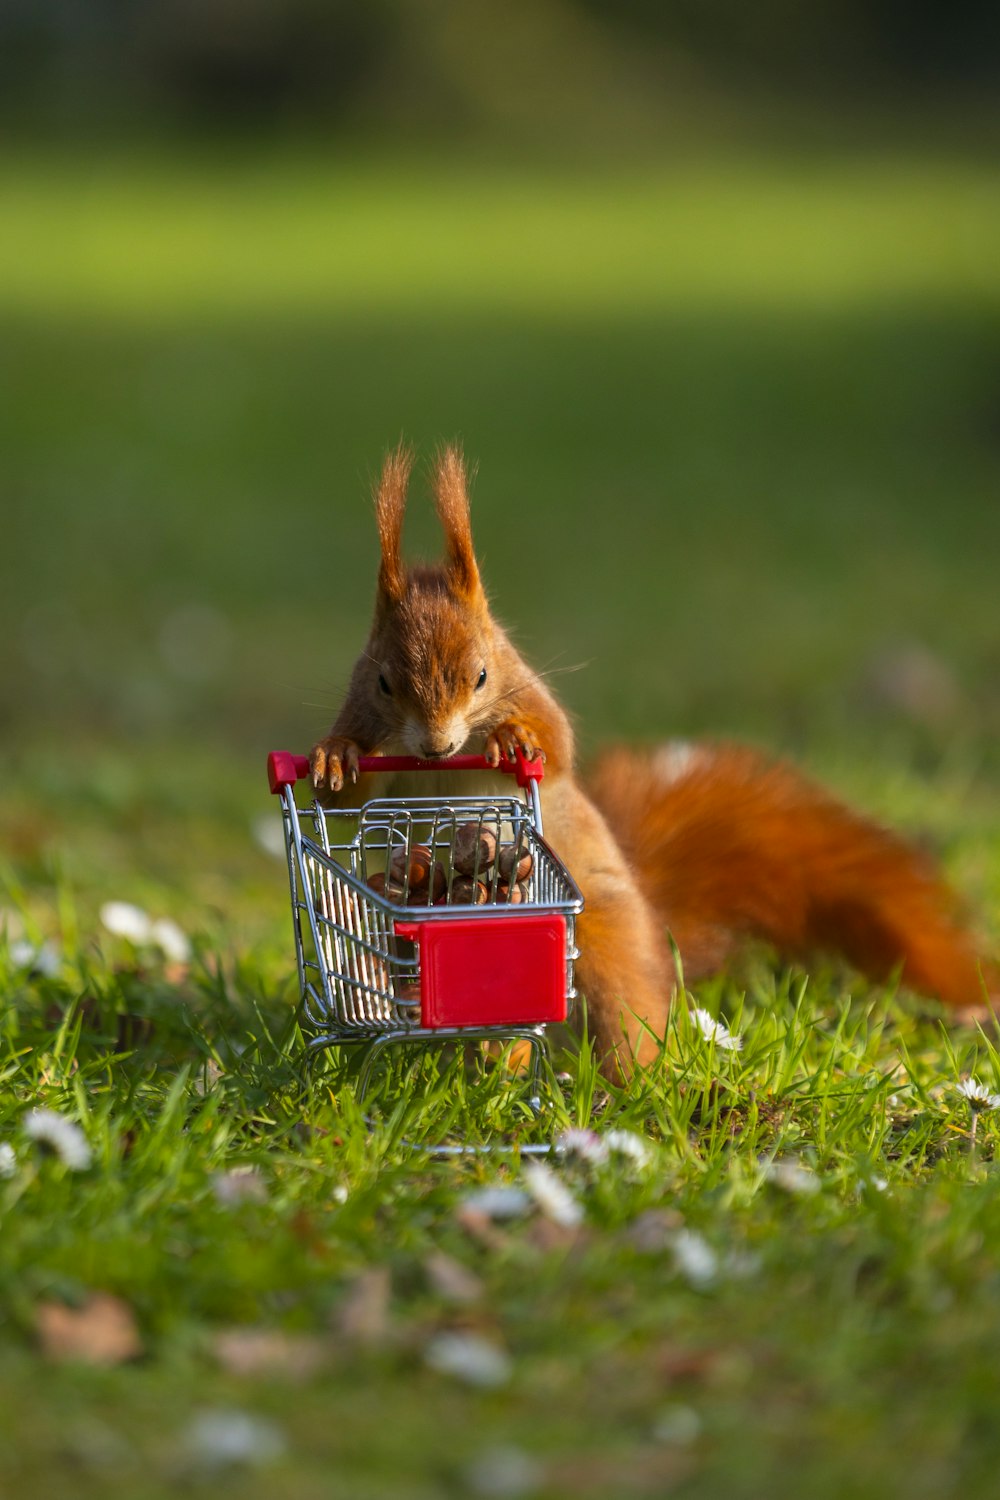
[731, 846]
[624, 969]
[452, 501]
[717, 846]
[390, 504]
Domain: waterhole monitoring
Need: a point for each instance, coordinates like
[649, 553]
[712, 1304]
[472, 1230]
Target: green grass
[737, 432]
[841, 1339]
[124, 243]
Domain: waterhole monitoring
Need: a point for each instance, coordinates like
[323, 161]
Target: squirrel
[712, 844]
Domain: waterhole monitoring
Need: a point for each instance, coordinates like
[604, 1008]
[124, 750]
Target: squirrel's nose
[437, 752]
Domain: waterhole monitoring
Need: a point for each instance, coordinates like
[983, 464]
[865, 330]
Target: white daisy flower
[552, 1195]
[470, 1358]
[206, 1080]
[695, 1258]
[504, 1473]
[123, 919]
[8, 1159]
[585, 1145]
[716, 1031]
[627, 1143]
[740, 1265]
[64, 1138]
[239, 1185]
[677, 1425]
[792, 1177]
[226, 1439]
[269, 834]
[170, 939]
[40, 958]
[498, 1202]
[977, 1094]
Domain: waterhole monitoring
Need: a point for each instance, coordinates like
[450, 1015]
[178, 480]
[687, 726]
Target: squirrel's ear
[452, 500]
[390, 503]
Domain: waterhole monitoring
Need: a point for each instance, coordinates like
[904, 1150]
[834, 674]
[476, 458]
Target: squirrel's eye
[482, 680]
[384, 685]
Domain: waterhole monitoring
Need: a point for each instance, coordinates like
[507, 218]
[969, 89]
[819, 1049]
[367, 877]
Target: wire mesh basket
[430, 917]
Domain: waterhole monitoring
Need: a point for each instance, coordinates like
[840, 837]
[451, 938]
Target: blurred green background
[711, 295]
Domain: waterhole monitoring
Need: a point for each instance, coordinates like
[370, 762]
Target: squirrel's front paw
[505, 738]
[332, 761]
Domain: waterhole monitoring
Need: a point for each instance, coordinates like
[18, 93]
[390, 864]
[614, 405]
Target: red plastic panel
[494, 972]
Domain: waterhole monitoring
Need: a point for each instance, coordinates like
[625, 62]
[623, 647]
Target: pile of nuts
[482, 870]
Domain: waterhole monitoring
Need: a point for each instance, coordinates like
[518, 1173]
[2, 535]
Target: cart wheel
[533, 1039]
[377, 1046]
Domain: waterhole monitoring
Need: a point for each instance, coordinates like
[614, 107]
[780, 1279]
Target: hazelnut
[515, 862]
[475, 849]
[415, 864]
[391, 889]
[429, 892]
[466, 892]
[509, 895]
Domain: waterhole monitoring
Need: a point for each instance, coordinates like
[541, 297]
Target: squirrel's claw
[331, 760]
[506, 739]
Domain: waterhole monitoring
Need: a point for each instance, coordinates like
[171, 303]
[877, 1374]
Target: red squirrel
[712, 844]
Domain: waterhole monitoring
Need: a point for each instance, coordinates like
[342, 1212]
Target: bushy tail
[727, 845]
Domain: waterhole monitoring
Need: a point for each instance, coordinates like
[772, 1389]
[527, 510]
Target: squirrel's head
[429, 653]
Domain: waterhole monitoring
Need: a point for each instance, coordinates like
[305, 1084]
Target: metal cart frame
[404, 965]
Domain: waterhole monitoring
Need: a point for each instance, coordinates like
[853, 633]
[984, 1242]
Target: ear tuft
[390, 504]
[452, 501]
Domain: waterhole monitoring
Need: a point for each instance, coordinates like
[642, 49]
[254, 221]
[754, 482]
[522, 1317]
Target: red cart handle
[284, 769]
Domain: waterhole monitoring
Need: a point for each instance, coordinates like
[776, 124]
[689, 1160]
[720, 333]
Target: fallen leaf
[680, 1365]
[363, 1316]
[644, 1470]
[480, 1226]
[102, 1331]
[269, 1351]
[470, 1358]
[453, 1281]
[653, 1231]
[548, 1237]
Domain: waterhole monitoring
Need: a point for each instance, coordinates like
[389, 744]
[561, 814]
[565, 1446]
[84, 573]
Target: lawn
[737, 433]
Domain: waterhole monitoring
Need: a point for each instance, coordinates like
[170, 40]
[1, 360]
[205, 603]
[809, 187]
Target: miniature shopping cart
[396, 943]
